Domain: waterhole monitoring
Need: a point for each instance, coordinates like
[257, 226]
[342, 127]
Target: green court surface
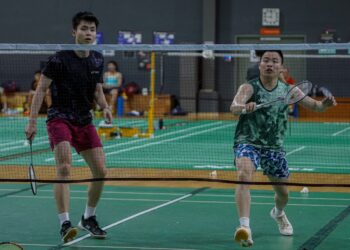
[310, 146]
[206, 220]
[149, 218]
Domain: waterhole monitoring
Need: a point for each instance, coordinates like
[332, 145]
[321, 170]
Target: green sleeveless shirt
[264, 128]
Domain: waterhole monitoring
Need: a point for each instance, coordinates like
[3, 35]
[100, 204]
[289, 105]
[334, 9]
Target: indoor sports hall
[170, 105]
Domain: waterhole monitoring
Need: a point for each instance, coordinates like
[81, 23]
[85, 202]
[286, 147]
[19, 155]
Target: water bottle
[120, 106]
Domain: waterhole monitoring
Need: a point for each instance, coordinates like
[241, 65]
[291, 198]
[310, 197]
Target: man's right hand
[31, 130]
[250, 107]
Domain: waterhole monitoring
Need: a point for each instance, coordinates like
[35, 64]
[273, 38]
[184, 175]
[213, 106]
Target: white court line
[133, 217]
[122, 124]
[12, 142]
[23, 146]
[341, 131]
[177, 194]
[319, 163]
[108, 247]
[168, 140]
[188, 201]
[162, 141]
[295, 150]
[141, 140]
[155, 162]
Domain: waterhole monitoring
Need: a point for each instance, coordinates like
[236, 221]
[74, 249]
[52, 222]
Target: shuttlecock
[305, 190]
[25, 143]
[213, 174]
[208, 54]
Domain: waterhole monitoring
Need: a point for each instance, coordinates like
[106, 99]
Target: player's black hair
[84, 16]
[262, 52]
[115, 65]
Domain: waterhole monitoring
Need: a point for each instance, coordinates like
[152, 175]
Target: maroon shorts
[80, 137]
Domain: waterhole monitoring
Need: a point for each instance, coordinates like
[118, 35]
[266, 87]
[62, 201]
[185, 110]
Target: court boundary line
[194, 192]
[199, 195]
[341, 131]
[325, 231]
[108, 247]
[192, 201]
[146, 139]
[168, 140]
[295, 150]
[21, 141]
[16, 192]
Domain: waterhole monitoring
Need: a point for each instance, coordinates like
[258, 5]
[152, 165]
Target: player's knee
[63, 170]
[245, 170]
[244, 175]
[100, 173]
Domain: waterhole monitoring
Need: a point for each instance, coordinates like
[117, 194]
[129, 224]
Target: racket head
[9, 246]
[32, 178]
[298, 92]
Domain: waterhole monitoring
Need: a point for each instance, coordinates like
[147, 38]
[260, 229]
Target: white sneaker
[283, 223]
[243, 236]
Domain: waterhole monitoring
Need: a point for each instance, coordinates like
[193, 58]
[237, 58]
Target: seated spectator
[3, 100]
[112, 83]
[286, 77]
[47, 101]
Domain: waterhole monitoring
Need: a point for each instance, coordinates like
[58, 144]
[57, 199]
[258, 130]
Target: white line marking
[177, 194]
[133, 217]
[23, 146]
[341, 131]
[167, 140]
[12, 142]
[108, 247]
[319, 163]
[141, 140]
[295, 150]
[188, 201]
[160, 161]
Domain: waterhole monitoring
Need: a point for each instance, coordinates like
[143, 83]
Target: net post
[151, 102]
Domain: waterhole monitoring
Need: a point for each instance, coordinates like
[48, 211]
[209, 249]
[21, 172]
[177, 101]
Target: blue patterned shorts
[272, 162]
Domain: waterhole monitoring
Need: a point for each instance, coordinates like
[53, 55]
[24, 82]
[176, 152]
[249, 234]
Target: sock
[89, 211]
[63, 217]
[244, 221]
[278, 212]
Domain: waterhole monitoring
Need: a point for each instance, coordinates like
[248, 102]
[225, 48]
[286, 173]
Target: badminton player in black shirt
[75, 79]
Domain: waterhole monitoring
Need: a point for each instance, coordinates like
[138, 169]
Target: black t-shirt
[73, 86]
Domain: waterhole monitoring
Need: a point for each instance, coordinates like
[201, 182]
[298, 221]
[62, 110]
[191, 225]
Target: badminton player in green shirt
[259, 139]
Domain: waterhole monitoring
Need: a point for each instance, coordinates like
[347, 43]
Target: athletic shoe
[283, 223]
[243, 236]
[91, 225]
[68, 232]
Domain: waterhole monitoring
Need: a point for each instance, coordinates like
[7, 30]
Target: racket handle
[244, 111]
[259, 106]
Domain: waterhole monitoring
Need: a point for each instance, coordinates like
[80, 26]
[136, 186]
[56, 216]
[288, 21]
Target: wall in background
[42, 21]
[298, 17]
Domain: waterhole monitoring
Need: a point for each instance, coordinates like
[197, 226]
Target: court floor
[319, 147]
[179, 218]
[174, 219]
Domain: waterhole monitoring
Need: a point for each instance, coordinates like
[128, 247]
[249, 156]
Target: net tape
[179, 47]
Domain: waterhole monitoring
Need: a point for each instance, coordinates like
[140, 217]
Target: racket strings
[298, 92]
